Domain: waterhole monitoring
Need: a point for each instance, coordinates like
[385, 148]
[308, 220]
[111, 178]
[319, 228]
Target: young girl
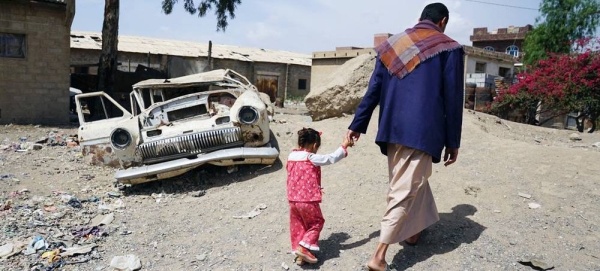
[304, 192]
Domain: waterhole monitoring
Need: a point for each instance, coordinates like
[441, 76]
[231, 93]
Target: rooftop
[144, 45]
[469, 50]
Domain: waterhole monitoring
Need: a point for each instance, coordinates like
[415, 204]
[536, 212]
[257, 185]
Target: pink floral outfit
[305, 195]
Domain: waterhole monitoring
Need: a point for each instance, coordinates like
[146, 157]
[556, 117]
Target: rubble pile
[341, 92]
[52, 231]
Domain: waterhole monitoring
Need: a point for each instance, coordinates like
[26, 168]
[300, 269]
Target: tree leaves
[224, 9]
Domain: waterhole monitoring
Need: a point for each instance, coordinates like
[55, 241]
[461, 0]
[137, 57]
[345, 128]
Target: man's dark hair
[435, 12]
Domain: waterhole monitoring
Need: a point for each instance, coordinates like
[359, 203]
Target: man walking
[418, 84]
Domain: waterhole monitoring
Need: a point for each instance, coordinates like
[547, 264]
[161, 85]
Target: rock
[597, 145]
[285, 266]
[537, 264]
[126, 263]
[534, 205]
[201, 257]
[198, 194]
[575, 137]
[37, 147]
[6, 249]
[342, 90]
[523, 195]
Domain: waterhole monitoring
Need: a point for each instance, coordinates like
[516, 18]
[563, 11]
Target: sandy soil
[485, 224]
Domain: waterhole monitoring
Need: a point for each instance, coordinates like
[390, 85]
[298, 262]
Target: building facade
[280, 74]
[504, 40]
[477, 61]
[34, 61]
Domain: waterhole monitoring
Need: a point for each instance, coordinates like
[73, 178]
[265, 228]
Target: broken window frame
[9, 40]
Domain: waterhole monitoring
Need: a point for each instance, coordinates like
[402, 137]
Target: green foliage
[224, 9]
[560, 22]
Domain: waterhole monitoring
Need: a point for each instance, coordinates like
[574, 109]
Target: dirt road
[188, 223]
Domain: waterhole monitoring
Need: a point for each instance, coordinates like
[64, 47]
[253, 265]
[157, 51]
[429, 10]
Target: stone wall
[35, 89]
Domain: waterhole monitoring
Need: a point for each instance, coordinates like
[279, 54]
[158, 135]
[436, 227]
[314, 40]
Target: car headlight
[120, 138]
[248, 115]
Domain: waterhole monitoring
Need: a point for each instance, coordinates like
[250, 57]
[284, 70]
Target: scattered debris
[126, 232]
[472, 190]
[6, 249]
[86, 232]
[534, 205]
[38, 243]
[114, 194]
[232, 169]
[198, 194]
[101, 220]
[497, 211]
[254, 212]
[575, 137]
[78, 250]
[523, 195]
[126, 263]
[285, 266]
[537, 264]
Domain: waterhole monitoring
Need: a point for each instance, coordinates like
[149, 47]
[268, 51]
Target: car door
[99, 116]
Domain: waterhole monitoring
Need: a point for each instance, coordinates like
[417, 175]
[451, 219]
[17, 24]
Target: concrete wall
[180, 66]
[35, 89]
[129, 61]
[492, 67]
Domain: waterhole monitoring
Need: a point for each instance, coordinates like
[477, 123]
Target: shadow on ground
[446, 235]
[331, 247]
[203, 178]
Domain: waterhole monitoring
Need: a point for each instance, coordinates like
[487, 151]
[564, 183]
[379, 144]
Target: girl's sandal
[298, 261]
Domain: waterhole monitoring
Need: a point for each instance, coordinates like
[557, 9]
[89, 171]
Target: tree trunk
[108, 59]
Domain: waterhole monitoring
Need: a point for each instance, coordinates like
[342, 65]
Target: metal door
[268, 84]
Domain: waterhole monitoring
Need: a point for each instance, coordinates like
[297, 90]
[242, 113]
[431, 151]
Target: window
[489, 48]
[302, 84]
[12, 45]
[480, 67]
[504, 72]
[513, 50]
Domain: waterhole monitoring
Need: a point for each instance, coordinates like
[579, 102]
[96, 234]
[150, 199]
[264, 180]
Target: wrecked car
[175, 125]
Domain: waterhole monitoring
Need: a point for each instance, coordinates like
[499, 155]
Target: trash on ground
[126, 263]
[102, 220]
[78, 250]
[254, 212]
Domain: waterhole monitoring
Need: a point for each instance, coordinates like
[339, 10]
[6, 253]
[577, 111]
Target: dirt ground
[187, 223]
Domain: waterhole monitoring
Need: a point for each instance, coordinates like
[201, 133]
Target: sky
[302, 26]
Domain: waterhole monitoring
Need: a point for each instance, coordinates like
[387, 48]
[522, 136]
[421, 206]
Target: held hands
[347, 143]
[450, 156]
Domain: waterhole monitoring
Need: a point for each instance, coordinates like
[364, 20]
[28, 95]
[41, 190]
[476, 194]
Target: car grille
[190, 144]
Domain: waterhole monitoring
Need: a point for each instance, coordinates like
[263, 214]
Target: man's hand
[352, 136]
[450, 156]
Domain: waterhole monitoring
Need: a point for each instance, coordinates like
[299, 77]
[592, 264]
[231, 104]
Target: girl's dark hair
[307, 136]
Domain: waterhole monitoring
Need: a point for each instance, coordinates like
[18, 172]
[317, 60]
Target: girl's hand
[347, 143]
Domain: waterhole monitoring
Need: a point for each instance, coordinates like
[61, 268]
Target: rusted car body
[177, 124]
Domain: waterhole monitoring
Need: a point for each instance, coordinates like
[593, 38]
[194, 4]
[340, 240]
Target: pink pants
[306, 223]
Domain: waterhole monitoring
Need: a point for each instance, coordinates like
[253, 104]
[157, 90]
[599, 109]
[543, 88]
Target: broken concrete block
[342, 90]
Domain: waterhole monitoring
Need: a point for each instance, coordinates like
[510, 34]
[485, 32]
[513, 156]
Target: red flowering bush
[561, 84]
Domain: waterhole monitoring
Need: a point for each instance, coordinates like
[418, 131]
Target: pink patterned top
[304, 173]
